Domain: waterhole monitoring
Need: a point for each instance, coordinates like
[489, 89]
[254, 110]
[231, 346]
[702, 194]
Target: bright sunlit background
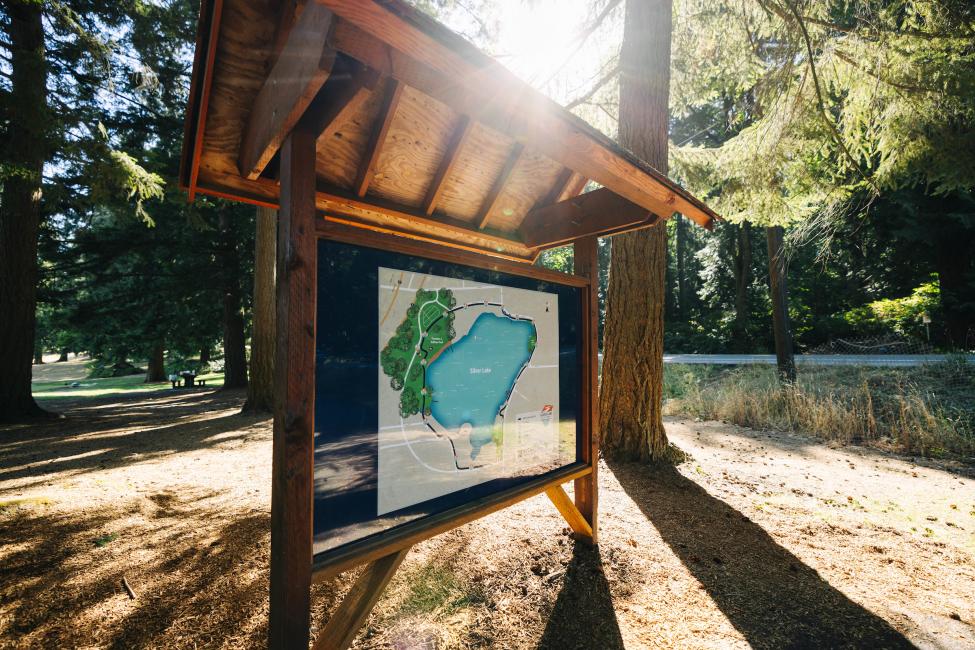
[561, 47]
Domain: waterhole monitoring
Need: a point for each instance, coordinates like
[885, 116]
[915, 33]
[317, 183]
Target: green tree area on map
[427, 328]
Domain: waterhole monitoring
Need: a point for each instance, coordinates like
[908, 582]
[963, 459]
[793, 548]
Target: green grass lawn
[129, 385]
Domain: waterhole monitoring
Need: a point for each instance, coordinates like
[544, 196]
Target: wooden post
[294, 396]
[587, 488]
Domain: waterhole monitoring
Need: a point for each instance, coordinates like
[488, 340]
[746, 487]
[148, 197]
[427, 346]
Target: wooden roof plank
[573, 188]
[594, 213]
[492, 198]
[298, 74]
[367, 167]
[423, 54]
[454, 148]
[340, 97]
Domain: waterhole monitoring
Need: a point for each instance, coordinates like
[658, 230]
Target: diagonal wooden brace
[348, 617]
[572, 515]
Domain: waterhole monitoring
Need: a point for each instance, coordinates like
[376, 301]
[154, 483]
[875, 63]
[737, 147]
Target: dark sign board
[437, 385]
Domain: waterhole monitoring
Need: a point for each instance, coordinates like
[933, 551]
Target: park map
[468, 386]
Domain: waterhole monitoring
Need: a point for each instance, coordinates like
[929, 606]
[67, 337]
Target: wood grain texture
[298, 74]
[294, 400]
[586, 260]
[416, 143]
[343, 144]
[528, 184]
[447, 164]
[595, 213]
[387, 110]
[576, 520]
[338, 230]
[200, 85]
[344, 623]
[574, 187]
[373, 211]
[475, 85]
[478, 165]
[491, 200]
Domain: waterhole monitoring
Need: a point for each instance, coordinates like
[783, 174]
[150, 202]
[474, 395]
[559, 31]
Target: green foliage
[902, 316]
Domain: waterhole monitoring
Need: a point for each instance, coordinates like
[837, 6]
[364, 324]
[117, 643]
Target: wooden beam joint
[577, 522]
[300, 71]
[596, 213]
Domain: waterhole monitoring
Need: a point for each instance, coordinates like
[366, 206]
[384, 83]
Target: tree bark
[743, 278]
[234, 352]
[63, 357]
[631, 423]
[20, 207]
[780, 304]
[260, 388]
[205, 354]
[38, 354]
[156, 369]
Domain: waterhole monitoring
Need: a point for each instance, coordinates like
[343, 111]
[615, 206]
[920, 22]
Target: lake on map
[471, 379]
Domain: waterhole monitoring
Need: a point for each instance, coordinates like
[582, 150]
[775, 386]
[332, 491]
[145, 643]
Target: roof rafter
[300, 71]
[484, 214]
[454, 147]
[367, 166]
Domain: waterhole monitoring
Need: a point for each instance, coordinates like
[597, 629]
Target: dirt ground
[761, 539]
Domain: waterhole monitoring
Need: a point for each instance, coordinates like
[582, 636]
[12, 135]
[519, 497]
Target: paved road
[814, 359]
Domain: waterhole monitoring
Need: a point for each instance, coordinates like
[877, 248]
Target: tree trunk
[956, 281]
[260, 388]
[631, 424]
[205, 354]
[38, 354]
[156, 369]
[743, 278]
[682, 306]
[780, 304]
[63, 357]
[20, 206]
[234, 354]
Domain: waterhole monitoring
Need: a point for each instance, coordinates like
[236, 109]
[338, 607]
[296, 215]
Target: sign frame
[403, 536]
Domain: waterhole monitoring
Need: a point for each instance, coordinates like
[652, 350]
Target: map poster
[437, 384]
[468, 384]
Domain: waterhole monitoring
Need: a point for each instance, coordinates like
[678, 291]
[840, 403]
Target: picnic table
[189, 379]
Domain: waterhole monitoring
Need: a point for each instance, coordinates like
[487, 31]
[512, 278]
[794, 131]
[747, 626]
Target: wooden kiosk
[368, 123]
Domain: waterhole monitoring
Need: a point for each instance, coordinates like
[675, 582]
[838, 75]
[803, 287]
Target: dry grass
[928, 410]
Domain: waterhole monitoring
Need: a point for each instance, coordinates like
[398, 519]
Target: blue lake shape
[472, 378]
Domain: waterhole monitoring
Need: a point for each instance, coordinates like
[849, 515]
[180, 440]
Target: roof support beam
[384, 39]
[298, 74]
[454, 147]
[573, 188]
[341, 97]
[367, 167]
[492, 196]
[599, 212]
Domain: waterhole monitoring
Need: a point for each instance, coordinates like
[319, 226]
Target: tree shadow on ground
[765, 591]
[583, 616]
[199, 572]
[121, 432]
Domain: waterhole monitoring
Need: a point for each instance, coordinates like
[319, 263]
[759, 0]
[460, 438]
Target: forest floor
[762, 538]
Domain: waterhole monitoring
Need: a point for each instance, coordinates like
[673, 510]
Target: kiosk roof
[421, 134]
